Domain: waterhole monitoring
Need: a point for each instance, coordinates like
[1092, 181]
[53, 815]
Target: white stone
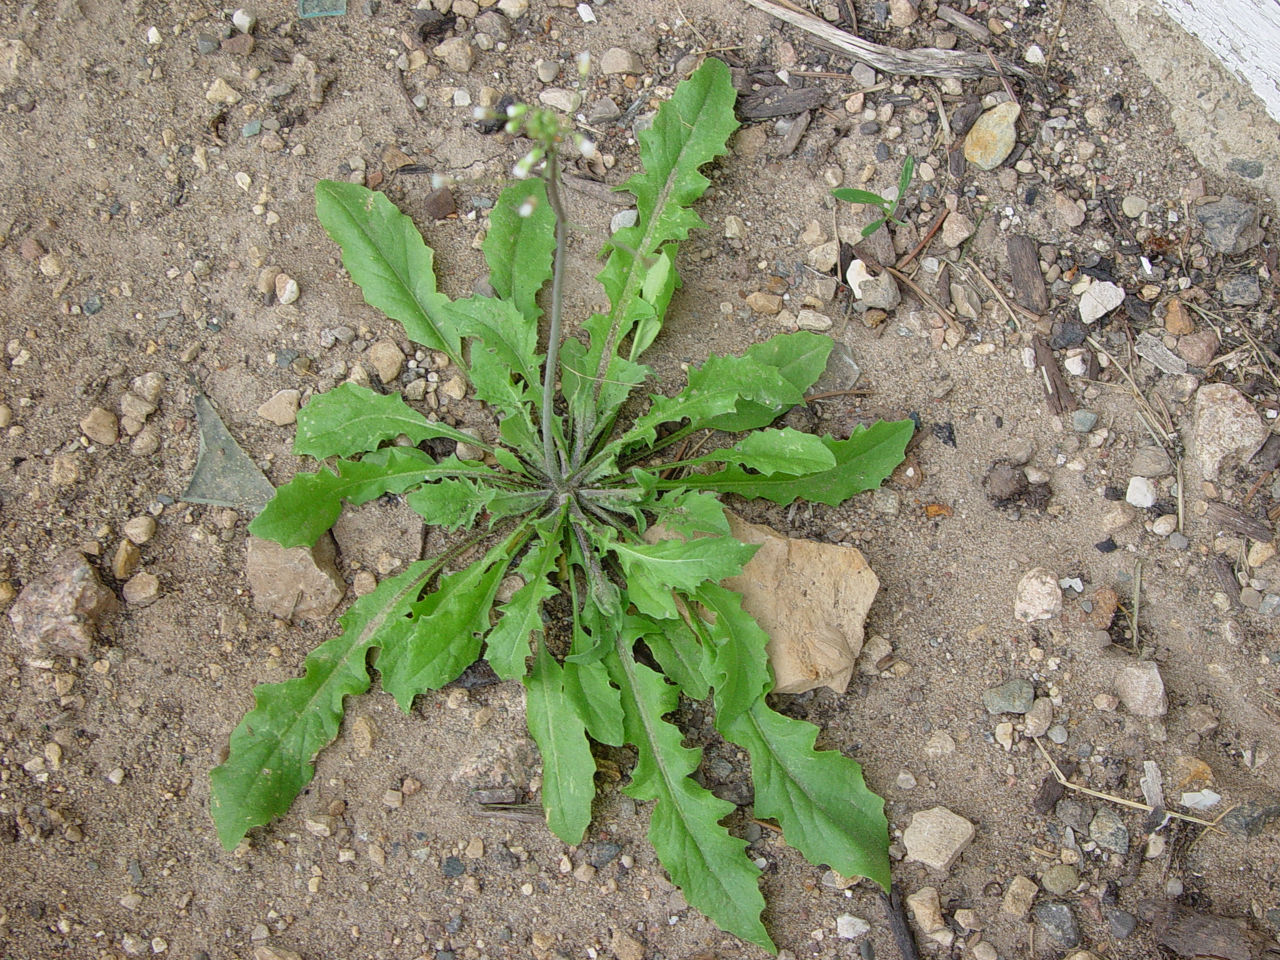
[936, 838]
[1141, 689]
[244, 21]
[565, 101]
[513, 8]
[617, 60]
[1100, 299]
[1034, 54]
[1039, 597]
[1141, 493]
[812, 320]
[623, 219]
[849, 927]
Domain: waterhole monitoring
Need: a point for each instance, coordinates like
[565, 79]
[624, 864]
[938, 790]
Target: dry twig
[1099, 795]
[921, 62]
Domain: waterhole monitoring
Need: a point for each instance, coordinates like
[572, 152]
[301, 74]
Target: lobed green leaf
[354, 419]
[309, 504]
[863, 462]
[386, 256]
[818, 797]
[688, 131]
[519, 245]
[775, 451]
[507, 645]
[653, 570]
[568, 770]
[799, 359]
[272, 749]
[704, 861]
[443, 635]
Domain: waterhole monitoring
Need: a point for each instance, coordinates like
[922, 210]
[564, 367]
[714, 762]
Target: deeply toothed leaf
[740, 667]
[353, 419]
[507, 645]
[653, 570]
[709, 865]
[444, 635]
[818, 797]
[688, 131]
[272, 749]
[520, 243]
[568, 770]
[386, 256]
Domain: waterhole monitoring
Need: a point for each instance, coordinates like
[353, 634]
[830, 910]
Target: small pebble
[286, 289]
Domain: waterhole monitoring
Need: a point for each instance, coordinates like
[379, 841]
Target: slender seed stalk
[554, 470]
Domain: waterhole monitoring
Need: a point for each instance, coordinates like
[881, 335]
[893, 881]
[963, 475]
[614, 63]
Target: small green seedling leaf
[852, 195]
[385, 254]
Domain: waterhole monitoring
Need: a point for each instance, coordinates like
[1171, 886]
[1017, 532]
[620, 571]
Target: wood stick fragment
[920, 62]
[1057, 393]
[933, 228]
[1099, 795]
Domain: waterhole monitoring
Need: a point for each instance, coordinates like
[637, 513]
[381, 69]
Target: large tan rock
[811, 598]
[295, 583]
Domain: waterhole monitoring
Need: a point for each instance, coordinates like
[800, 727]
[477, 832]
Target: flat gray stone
[1230, 225]
[1015, 696]
[1107, 830]
[1058, 923]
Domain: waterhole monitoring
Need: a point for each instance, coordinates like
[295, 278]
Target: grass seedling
[885, 205]
[561, 498]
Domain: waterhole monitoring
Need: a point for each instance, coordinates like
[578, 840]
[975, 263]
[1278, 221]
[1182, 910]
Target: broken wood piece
[920, 62]
[792, 140]
[1225, 571]
[1229, 518]
[1194, 935]
[1024, 268]
[963, 22]
[779, 101]
[1059, 396]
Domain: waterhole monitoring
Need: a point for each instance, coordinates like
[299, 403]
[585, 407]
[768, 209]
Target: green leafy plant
[886, 206]
[561, 498]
